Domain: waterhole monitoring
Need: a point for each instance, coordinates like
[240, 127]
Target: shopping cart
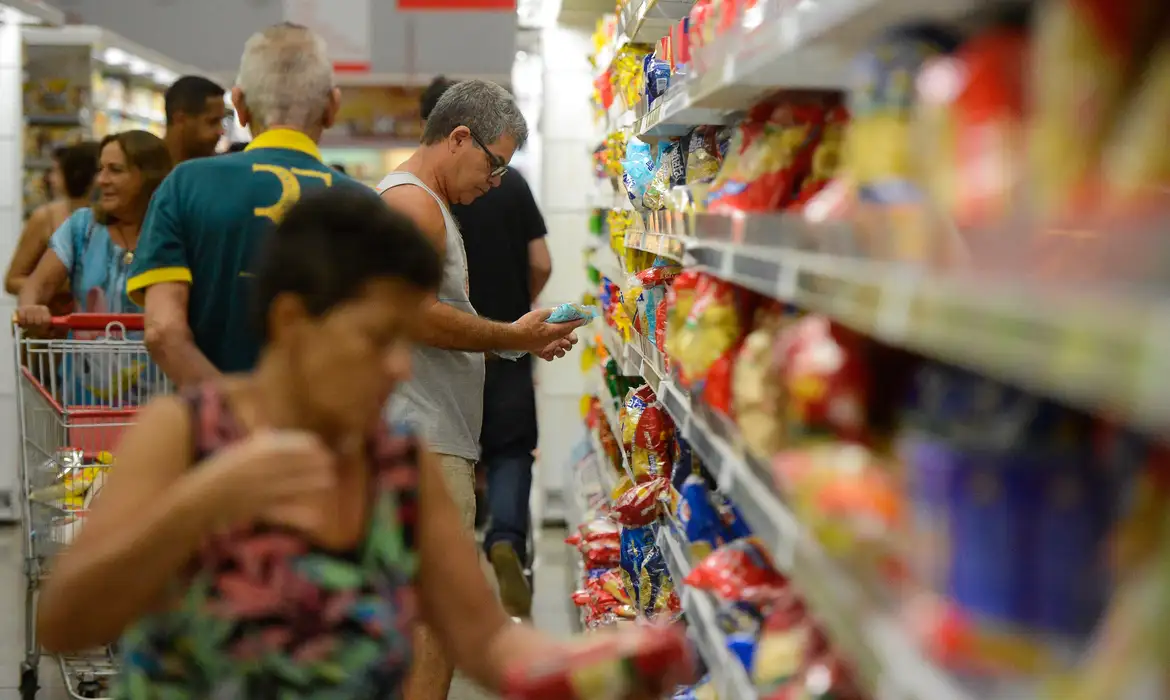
[75, 396]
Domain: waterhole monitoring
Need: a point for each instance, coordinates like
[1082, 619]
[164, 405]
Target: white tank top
[443, 400]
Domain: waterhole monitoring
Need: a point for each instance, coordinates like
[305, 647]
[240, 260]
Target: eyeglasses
[499, 165]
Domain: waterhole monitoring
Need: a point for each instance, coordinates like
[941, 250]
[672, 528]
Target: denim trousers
[509, 485]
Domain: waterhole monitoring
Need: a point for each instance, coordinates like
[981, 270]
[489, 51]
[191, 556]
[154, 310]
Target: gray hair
[484, 107]
[286, 76]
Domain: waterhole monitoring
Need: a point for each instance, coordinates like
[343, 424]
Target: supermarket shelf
[611, 417]
[727, 673]
[643, 22]
[660, 243]
[626, 356]
[607, 263]
[886, 659]
[785, 45]
[113, 51]
[1092, 349]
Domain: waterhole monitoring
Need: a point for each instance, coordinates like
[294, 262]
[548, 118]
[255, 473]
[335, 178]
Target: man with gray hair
[468, 140]
[190, 269]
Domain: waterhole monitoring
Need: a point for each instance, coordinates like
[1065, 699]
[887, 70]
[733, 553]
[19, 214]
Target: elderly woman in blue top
[93, 250]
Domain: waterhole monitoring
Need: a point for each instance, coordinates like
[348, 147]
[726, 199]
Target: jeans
[509, 485]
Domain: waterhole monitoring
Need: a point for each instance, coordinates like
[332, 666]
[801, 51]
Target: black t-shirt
[497, 229]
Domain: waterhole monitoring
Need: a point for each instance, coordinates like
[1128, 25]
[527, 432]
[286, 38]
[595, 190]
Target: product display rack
[84, 82]
[1094, 347]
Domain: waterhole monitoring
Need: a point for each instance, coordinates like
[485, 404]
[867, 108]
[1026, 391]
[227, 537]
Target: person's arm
[160, 281]
[539, 266]
[148, 519]
[50, 273]
[34, 240]
[157, 508]
[444, 326]
[455, 598]
[528, 217]
[168, 335]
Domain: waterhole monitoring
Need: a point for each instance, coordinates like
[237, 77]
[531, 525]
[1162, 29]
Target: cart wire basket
[75, 397]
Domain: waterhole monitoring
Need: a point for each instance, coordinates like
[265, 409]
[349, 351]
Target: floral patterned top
[267, 614]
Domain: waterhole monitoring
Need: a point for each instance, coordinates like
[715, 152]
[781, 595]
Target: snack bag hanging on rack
[712, 329]
[740, 572]
[826, 381]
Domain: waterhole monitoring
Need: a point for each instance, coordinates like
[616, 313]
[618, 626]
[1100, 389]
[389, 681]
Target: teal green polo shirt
[204, 225]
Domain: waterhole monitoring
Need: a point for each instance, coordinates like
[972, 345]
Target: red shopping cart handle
[96, 322]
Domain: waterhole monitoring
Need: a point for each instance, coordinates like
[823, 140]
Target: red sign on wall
[458, 5]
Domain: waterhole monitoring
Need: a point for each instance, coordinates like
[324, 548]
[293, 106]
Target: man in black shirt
[508, 264]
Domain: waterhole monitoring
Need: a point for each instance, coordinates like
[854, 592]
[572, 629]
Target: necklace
[128, 254]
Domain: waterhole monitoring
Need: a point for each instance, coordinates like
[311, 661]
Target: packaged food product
[784, 639]
[1086, 52]
[972, 112]
[717, 386]
[662, 271]
[657, 189]
[755, 384]
[740, 571]
[649, 464]
[700, 521]
[638, 170]
[826, 159]
[636, 402]
[1136, 162]
[643, 503]
[844, 494]
[680, 298]
[685, 465]
[702, 155]
[635, 542]
[657, 77]
[826, 380]
[712, 329]
[566, 313]
[774, 155]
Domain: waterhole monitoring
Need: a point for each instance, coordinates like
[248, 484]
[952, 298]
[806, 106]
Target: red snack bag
[655, 430]
[642, 504]
[652, 660]
[825, 379]
[740, 572]
[658, 274]
[717, 388]
[601, 554]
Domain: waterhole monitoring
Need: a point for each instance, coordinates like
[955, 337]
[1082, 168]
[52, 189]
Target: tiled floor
[552, 611]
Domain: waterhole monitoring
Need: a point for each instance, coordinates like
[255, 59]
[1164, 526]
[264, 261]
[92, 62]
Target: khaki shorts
[459, 473]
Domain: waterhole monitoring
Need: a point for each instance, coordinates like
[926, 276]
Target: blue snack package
[654, 584]
[566, 313]
[635, 541]
[734, 526]
[685, 464]
[699, 519]
[743, 647]
[638, 170]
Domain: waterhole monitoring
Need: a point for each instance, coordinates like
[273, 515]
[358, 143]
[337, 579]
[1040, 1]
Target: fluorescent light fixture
[139, 67]
[537, 14]
[164, 76]
[115, 56]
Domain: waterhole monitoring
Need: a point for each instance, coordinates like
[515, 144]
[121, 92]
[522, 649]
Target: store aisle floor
[552, 611]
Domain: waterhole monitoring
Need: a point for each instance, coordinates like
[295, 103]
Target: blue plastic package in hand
[566, 313]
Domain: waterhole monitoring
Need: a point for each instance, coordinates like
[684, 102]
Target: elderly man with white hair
[191, 267]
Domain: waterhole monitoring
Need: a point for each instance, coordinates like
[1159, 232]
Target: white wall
[11, 184]
[567, 138]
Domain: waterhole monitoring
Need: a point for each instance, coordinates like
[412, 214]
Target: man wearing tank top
[467, 142]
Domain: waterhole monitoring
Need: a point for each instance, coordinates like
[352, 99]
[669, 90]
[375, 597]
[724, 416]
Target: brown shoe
[514, 590]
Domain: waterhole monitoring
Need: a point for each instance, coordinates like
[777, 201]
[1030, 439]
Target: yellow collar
[288, 139]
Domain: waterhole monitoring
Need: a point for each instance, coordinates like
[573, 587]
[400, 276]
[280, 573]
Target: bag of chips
[740, 571]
